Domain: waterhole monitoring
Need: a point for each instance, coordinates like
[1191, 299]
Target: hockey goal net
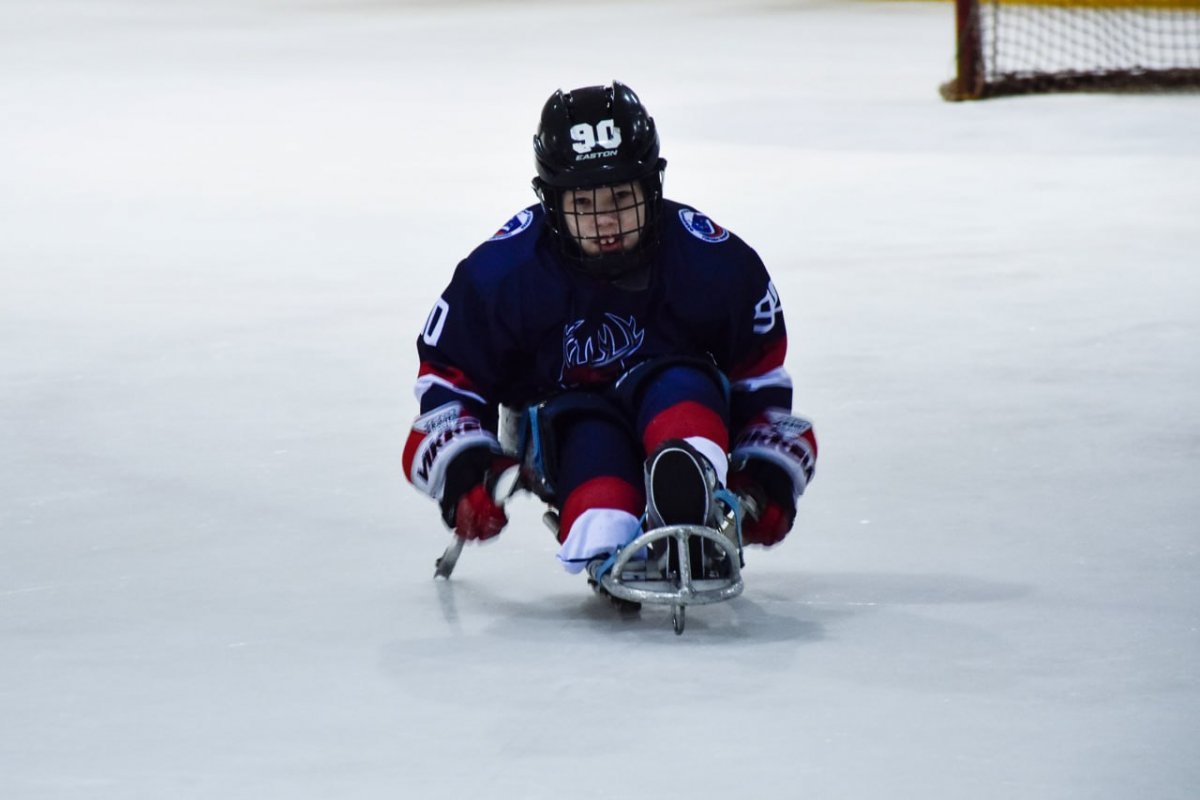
[1021, 46]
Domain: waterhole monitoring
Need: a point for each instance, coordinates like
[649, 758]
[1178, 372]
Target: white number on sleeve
[436, 322]
[766, 310]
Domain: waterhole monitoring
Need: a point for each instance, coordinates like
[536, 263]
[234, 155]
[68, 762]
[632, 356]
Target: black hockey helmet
[591, 138]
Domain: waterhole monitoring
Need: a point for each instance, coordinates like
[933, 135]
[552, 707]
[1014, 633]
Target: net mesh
[1049, 45]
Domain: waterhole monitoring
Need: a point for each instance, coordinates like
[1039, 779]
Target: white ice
[222, 224]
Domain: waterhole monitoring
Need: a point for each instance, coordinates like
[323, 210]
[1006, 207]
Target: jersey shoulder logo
[518, 224]
[702, 227]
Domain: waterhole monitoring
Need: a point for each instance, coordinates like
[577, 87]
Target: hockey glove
[771, 489]
[773, 461]
[467, 503]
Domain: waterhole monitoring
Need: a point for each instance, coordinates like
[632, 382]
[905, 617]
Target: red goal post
[1010, 47]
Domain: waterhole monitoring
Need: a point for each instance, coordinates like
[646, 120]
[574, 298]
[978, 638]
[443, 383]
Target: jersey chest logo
[702, 227]
[587, 354]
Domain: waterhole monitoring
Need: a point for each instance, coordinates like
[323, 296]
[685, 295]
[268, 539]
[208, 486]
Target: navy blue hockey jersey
[518, 324]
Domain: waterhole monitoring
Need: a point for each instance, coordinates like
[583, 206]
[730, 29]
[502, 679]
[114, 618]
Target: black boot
[680, 484]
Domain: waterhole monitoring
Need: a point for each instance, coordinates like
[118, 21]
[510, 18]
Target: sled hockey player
[640, 344]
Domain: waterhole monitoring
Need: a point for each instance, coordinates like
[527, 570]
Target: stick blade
[445, 565]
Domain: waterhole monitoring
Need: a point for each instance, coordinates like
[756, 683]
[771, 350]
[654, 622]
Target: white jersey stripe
[777, 378]
[427, 382]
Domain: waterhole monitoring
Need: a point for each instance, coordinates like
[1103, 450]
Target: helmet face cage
[605, 218]
[609, 230]
[600, 177]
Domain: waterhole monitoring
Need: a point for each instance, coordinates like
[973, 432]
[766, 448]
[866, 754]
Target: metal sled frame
[622, 575]
[641, 581]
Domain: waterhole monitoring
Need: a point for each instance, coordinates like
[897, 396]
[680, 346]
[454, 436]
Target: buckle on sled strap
[599, 571]
[641, 581]
[738, 507]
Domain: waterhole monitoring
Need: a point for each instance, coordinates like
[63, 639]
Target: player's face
[607, 219]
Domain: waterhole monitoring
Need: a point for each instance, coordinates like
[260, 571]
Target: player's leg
[597, 486]
[681, 420]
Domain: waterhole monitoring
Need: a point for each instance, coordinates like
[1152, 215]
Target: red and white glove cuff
[437, 437]
[781, 439]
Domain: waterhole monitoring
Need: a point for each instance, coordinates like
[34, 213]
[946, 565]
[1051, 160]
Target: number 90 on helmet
[599, 177]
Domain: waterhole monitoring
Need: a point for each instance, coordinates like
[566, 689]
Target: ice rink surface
[222, 224]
